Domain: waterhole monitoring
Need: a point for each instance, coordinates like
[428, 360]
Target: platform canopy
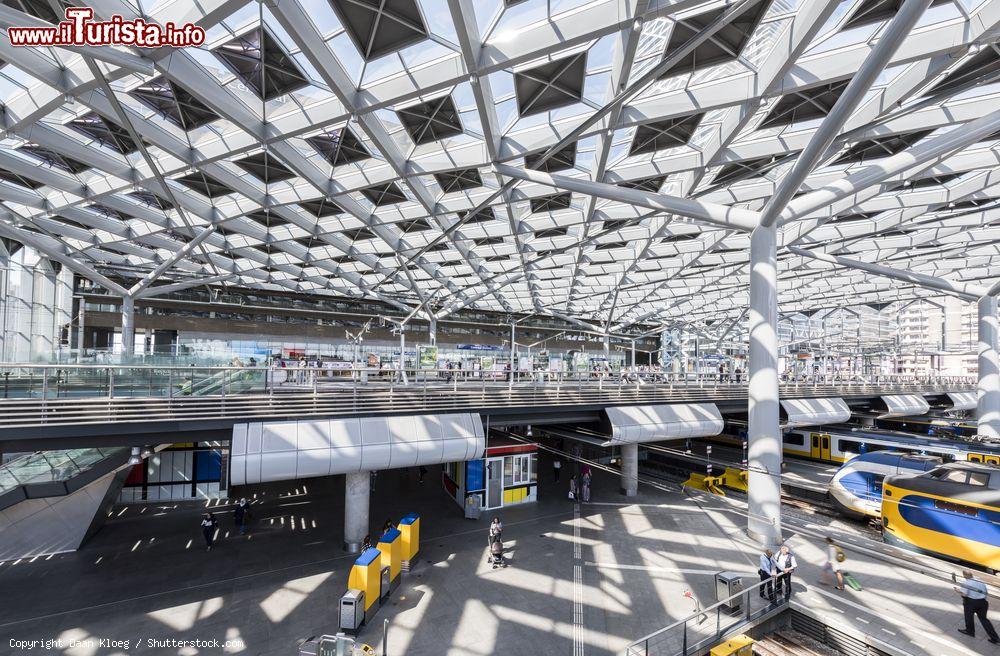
[600, 159]
[288, 450]
[814, 412]
[902, 405]
[963, 400]
[652, 423]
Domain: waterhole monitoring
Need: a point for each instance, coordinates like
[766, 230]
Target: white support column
[764, 437]
[663, 349]
[43, 296]
[432, 330]
[63, 309]
[357, 489]
[988, 408]
[630, 469]
[402, 355]
[513, 346]
[128, 326]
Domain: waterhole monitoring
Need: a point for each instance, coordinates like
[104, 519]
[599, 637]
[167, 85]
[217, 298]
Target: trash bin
[728, 584]
[352, 610]
[472, 508]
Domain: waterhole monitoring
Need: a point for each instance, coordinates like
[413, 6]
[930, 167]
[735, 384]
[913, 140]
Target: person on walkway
[834, 556]
[496, 530]
[208, 524]
[585, 484]
[556, 468]
[767, 571]
[974, 602]
[421, 472]
[574, 489]
[242, 515]
[786, 565]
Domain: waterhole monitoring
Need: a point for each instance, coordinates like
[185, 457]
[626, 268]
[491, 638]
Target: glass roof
[357, 148]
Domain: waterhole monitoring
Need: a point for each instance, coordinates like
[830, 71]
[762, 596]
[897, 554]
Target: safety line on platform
[577, 584]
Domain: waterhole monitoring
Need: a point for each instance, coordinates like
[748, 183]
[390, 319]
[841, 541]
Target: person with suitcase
[834, 557]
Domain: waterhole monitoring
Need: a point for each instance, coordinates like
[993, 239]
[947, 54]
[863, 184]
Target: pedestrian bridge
[93, 405]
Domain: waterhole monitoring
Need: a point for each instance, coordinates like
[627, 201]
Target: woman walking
[834, 557]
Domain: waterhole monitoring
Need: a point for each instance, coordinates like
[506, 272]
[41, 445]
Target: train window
[794, 438]
[849, 446]
[952, 475]
[979, 478]
[956, 508]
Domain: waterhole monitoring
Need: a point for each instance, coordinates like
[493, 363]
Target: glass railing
[52, 466]
[703, 629]
[22, 381]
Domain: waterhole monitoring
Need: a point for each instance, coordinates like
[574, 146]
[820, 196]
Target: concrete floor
[582, 579]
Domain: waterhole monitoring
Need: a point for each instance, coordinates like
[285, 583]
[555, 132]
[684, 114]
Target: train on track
[951, 511]
[856, 488]
[838, 444]
[940, 426]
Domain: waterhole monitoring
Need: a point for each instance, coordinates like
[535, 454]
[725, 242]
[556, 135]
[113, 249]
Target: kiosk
[409, 529]
[390, 547]
[366, 576]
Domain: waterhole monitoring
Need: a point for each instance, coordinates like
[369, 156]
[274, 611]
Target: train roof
[970, 465]
[856, 433]
[892, 457]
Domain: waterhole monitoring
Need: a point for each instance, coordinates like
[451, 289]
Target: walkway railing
[704, 629]
[55, 395]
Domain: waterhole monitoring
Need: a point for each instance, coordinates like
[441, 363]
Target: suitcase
[853, 582]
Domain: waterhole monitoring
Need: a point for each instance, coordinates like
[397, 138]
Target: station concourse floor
[582, 579]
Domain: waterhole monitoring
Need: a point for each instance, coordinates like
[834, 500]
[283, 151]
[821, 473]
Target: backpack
[841, 556]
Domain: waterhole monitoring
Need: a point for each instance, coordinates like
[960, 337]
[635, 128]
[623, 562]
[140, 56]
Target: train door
[825, 447]
[815, 451]
[494, 482]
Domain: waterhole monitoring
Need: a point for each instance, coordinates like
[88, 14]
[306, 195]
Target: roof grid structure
[804, 105]
[51, 158]
[386, 91]
[551, 85]
[260, 63]
[339, 146]
[431, 121]
[660, 135]
[107, 133]
[869, 149]
[723, 46]
[265, 168]
[380, 27]
[561, 160]
[37, 8]
[175, 104]
[877, 11]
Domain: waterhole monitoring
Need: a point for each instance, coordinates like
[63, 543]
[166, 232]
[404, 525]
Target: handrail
[643, 644]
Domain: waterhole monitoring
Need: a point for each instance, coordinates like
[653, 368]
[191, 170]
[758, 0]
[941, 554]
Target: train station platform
[582, 579]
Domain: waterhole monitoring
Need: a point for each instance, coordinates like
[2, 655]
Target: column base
[765, 539]
[352, 547]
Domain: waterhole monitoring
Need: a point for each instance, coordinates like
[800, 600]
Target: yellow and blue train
[943, 426]
[952, 511]
[839, 444]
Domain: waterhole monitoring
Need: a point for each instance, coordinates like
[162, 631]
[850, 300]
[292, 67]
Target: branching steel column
[860, 84]
[988, 406]
[764, 437]
[961, 289]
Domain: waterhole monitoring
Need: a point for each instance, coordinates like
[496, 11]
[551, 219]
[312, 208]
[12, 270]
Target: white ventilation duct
[904, 405]
[650, 423]
[814, 412]
[963, 400]
[287, 450]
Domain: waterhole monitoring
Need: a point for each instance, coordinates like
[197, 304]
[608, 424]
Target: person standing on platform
[496, 530]
[242, 515]
[208, 524]
[767, 571]
[834, 556]
[786, 565]
[573, 488]
[585, 484]
[422, 471]
[556, 468]
[974, 603]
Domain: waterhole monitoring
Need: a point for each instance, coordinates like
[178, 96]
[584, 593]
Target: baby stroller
[496, 553]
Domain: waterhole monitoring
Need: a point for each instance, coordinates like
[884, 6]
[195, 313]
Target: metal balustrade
[55, 395]
[703, 629]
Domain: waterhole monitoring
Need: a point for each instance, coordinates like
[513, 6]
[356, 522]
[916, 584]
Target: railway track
[789, 643]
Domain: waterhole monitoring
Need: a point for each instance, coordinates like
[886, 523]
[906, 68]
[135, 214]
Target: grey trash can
[352, 610]
[472, 508]
[726, 585]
